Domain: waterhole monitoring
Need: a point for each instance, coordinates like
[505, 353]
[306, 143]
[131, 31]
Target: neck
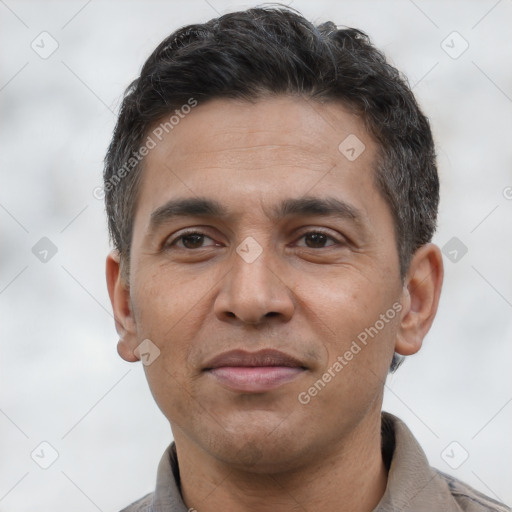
[350, 475]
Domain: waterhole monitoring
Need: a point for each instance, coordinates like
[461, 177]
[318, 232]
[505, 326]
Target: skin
[306, 295]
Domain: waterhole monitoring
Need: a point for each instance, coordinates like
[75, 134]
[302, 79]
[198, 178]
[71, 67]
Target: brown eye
[317, 240]
[192, 241]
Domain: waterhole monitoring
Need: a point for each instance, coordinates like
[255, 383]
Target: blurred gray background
[63, 68]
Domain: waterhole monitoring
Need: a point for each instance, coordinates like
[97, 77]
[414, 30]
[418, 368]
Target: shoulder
[414, 485]
[142, 505]
[469, 499]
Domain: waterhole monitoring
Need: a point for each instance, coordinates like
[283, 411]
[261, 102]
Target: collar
[412, 483]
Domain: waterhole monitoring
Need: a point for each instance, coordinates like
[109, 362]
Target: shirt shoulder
[142, 505]
[415, 486]
[469, 499]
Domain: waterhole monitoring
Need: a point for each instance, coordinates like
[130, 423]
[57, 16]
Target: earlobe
[119, 293]
[125, 351]
[420, 298]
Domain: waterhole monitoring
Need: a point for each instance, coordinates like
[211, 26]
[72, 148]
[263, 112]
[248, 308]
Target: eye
[191, 240]
[317, 240]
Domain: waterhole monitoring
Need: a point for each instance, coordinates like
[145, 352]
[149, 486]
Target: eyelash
[172, 243]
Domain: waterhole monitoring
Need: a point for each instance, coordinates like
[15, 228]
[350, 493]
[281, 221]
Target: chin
[259, 447]
[255, 456]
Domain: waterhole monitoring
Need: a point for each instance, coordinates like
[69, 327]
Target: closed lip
[243, 358]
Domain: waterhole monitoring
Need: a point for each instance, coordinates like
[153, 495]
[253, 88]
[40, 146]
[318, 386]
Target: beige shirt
[413, 486]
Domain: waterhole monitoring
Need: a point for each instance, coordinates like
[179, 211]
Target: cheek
[169, 309]
[163, 297]
[356, 320]
[345, 301]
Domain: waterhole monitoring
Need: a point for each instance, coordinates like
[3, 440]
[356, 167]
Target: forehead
[293, 127]
[247, 154]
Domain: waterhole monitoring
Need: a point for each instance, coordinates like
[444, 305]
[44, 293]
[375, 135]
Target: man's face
[269, 271]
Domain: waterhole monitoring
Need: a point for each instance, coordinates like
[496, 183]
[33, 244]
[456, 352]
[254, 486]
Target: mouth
[254, 372]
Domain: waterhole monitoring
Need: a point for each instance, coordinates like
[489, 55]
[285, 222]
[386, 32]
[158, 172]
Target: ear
[119, 292]
[420, 298]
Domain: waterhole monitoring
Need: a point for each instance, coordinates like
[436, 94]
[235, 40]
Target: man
[272, 193]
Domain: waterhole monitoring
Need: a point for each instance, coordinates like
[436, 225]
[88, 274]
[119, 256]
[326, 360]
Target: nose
[252, 292]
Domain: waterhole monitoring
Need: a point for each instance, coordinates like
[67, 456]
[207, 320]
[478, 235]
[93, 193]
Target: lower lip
[255, 379]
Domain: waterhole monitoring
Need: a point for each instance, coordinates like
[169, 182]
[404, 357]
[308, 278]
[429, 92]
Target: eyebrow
[324, 206]
[189, 207]
[298, 207]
